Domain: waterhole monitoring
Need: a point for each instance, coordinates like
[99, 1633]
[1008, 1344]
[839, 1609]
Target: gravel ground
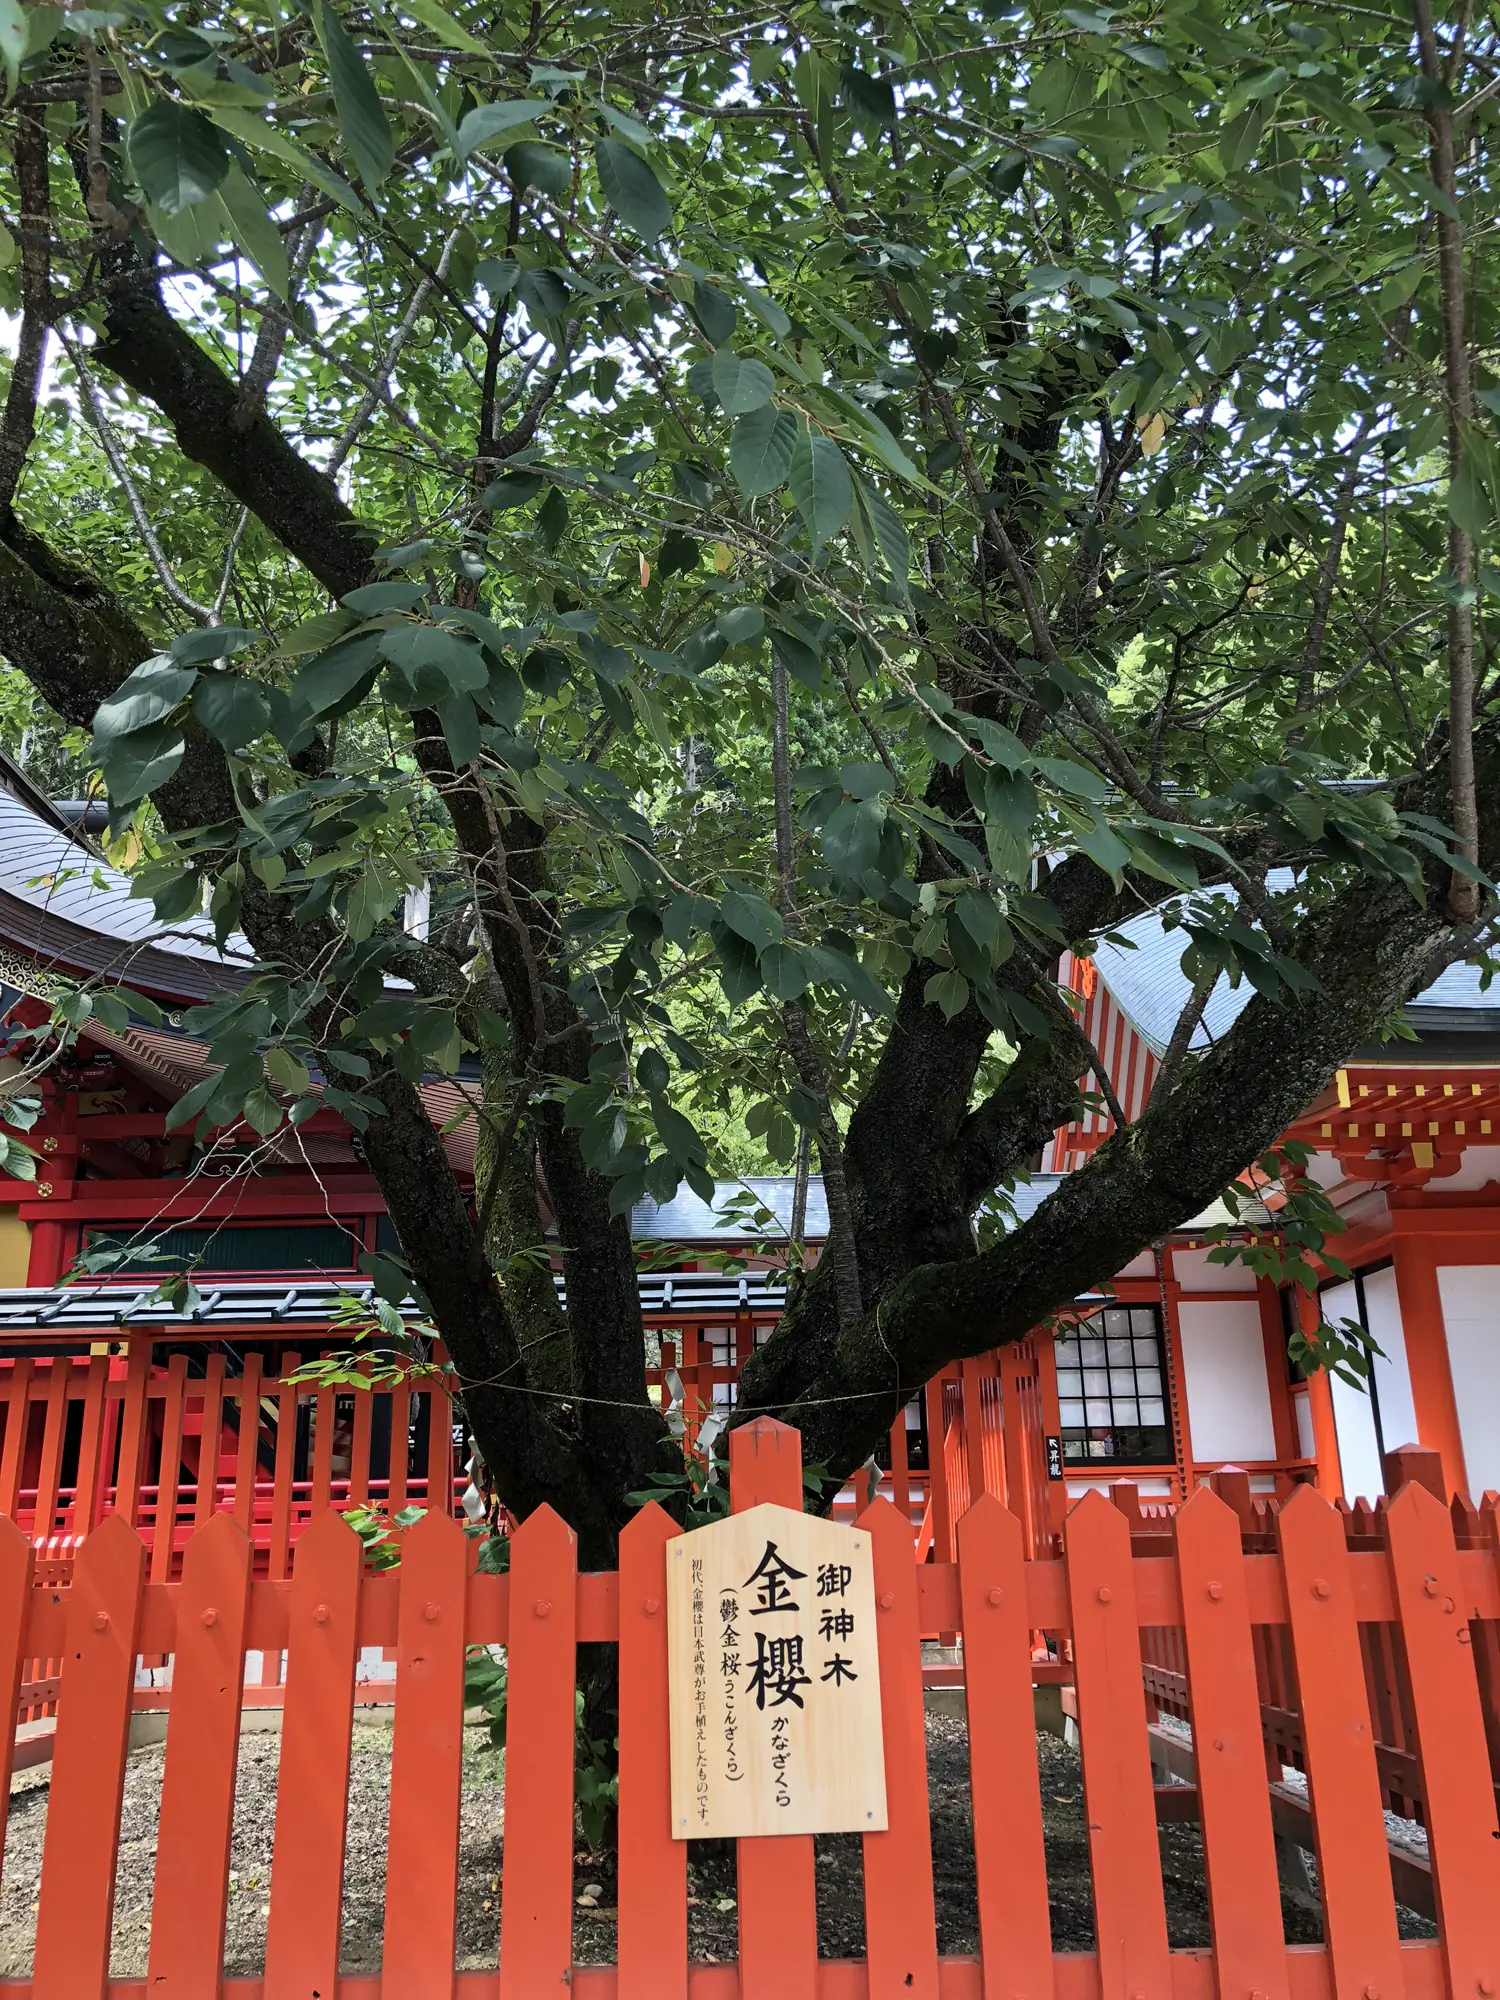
[712, 1915]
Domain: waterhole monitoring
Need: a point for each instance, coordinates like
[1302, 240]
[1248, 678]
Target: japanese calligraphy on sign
[774, 1679]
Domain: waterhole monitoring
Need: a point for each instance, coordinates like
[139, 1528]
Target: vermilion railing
[1312, 1588]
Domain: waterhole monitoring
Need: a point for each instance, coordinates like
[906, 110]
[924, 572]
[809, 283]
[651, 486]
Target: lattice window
[1112, 1388]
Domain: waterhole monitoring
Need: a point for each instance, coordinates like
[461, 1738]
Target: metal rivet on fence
[542, 1607]
[101, 1621]
[651, 1606]
[210, 1616]
[1104, 1593]
[1216, 1592]
[430, 1613]
[994, 1596]
[887, 1599]
[1372, 1993]
[1430, 1586]
[322, 1615]
[1322, 1588]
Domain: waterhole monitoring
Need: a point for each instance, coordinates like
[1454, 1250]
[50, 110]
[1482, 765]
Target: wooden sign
[774, 1678]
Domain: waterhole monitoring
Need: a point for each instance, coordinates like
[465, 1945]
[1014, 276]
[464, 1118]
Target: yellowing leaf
[1153, 430]
[723, 558]
[645, 572]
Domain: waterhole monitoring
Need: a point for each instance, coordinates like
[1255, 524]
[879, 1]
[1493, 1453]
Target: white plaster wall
[1194, 1273]
[1353, 1413]
[1224, 1370]
[1148, 1489]
[1471, 1318]
[1398, 1413]
[1353, 1417]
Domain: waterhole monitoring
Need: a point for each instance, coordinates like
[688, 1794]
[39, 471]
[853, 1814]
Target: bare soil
[712, 1911]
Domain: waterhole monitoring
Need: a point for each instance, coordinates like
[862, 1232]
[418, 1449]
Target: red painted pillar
[1427, 1356]
[1320, 1407]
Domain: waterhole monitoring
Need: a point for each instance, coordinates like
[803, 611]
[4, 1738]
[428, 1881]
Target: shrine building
[111, 1400]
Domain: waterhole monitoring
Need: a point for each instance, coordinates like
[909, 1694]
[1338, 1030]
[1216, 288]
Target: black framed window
[1112, 1389]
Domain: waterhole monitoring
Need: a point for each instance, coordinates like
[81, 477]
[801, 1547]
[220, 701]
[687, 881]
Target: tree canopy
[784, 521]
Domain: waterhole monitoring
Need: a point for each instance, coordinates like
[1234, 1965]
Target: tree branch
[1463, 894]
[114, 451]
[18, 425]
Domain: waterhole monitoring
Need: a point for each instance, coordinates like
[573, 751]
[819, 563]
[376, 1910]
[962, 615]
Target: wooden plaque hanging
[774, 1678]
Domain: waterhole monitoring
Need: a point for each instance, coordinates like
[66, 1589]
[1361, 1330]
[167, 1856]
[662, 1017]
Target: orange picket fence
[1096, 1599]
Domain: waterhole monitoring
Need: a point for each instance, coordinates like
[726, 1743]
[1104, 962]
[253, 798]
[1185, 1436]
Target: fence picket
[1010, 1859]
[54, 1434]
[1414, 1665]
[86, 1481]
[1129, 1907]
[17, 1563]
[900, 1918]
[777, 1887]
[312, 1787]
[209, 1440]
[652, 1865]
[246, 1461]
[197, 1797]
[286, 1460]
[536, 1888]
[1354, 1874]
[133, 1412]
[17, 1423]
[1239, 1851]
[88, 1767]
[1457, 1789]
[164, 1521]
[426, 1762]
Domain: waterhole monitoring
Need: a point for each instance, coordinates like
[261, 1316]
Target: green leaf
[740, 383]
[821, 486]
[460, 720]
[262, 135]
[176, 155]
[254, 231]
[136, 764]
[487, 121]
[891, 537]
[714, 312]
[632, 190]
[760, 449]
[410, 648]
[531, 164]
[785, 971]
[443, 25]
[511, 489]
[212, 642]
[372, 600]
[751, 917]
[325, 686]
[1104, 846]
[14, 33]
[743, 625]
[1469, 503]
[232, 709]
[143, 698]
[362, 118]
[851, 837]
[949, 991]
[1076, 779]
